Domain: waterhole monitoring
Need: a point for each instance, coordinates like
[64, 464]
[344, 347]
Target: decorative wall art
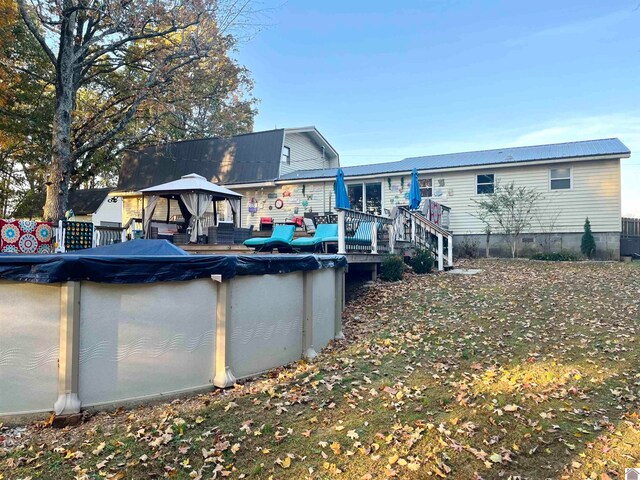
[25, 236]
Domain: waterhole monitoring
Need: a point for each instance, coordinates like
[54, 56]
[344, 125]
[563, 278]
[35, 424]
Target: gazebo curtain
[197, 204]
[235, 208]
[148, 214]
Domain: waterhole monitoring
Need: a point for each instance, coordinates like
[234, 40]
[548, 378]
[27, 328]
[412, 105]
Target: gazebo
[194, 195]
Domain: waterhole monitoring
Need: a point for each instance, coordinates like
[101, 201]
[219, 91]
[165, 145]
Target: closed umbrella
[415, 197]
[342, 198]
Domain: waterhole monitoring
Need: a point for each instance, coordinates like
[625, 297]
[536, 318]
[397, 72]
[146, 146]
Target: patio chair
[362, 235]
[325, 233]
[280, 238]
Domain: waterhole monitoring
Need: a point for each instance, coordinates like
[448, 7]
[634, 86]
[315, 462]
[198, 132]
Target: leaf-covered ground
[528, 370]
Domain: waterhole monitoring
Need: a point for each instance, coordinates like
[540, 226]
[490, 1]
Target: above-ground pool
[89, 330]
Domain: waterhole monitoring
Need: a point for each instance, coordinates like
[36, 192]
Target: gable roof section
[252, 157]
[85, 202]
[557, 151]
[82, 202]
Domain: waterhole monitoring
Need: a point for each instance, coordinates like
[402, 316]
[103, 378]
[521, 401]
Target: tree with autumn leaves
[115, 74]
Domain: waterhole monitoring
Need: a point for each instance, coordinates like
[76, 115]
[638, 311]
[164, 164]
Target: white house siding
[108, 211]
[595, 194]
[305, 154]
[317, 197]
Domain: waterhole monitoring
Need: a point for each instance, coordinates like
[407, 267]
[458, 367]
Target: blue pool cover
[135, 262]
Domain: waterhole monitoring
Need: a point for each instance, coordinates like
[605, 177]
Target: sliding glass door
[366, 197]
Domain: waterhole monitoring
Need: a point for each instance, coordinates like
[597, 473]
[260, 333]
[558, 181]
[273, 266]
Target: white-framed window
[485, 183]
[560, 178]
[365, 197]
[426, 187]
[286, 155]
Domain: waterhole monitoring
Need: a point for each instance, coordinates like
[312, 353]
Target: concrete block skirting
[119, 344]
[607, 244]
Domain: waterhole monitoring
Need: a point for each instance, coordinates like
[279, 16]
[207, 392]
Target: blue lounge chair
[280, 238]
[325, 233]
[362, 235]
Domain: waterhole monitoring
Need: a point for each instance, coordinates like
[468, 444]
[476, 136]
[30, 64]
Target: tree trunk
[59, 172]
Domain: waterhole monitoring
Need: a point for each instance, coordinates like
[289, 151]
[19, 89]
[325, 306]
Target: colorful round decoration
[278, 204]
[27, 226]
[44, 233]
[44, 249]
[9, 249]
[28, 243]
[10, 233]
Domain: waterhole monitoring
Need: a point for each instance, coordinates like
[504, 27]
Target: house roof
[557, 151]
[82, 202]
[252, 157]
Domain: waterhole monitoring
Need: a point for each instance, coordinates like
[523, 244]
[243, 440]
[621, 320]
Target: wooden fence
[630, 237]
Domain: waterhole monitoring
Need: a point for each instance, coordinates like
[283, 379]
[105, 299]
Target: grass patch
[528, 369]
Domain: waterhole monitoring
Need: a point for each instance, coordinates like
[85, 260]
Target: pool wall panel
[29, 343]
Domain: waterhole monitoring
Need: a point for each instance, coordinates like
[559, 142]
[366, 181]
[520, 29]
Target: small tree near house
[510, 209]
[588, 244]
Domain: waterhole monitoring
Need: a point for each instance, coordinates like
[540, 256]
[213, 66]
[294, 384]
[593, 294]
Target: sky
[386, 80]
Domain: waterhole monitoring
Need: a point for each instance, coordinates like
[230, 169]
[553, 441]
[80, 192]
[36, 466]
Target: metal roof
[557, 151]
[252, 157]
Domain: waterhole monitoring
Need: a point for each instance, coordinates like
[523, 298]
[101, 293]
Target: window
[485, 183]
[560, 178]
[355, 196]
[365, 197]
[426, 187]
[286, 155]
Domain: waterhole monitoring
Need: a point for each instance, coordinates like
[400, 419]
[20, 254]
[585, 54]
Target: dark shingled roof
[85, 202]
[252, 157]
[82, 202]
[557, 151]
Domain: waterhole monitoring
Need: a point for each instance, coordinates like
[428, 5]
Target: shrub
[422, 261]
[392, 268]
[588, 244]
[469, 248]
[562, 256]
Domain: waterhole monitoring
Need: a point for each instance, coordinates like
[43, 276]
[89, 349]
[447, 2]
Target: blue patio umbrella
[414, 192]
[342, 198]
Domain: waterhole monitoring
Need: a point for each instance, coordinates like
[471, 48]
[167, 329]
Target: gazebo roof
[193, 183]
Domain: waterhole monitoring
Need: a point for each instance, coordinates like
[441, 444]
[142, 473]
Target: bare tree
[143, 45]
[510, 210]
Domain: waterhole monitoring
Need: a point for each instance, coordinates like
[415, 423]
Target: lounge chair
[280, 238]
[325, 233]
[362, 235]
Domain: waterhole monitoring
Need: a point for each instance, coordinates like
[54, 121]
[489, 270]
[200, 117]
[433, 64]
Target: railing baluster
[342, 246]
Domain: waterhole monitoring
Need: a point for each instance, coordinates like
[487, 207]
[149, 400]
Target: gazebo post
[197, 216]
[144, 233]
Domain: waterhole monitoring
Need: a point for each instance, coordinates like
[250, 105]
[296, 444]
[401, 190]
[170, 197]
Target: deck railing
[356, 232]
[423, 233]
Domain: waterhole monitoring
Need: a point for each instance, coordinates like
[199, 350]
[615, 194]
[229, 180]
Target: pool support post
[68, 402]
[223, 376]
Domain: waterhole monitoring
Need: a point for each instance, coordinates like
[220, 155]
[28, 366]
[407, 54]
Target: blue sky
[385, 80]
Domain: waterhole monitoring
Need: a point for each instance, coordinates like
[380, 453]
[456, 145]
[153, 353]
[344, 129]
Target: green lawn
[527, 370]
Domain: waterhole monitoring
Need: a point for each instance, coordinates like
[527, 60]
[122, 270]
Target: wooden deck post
[413, 229]
[223, 376]
[339, 303]
[374, 237]
[450, 250]
[440, 252]
[68, 401]
[308, 349]
[342, 246]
